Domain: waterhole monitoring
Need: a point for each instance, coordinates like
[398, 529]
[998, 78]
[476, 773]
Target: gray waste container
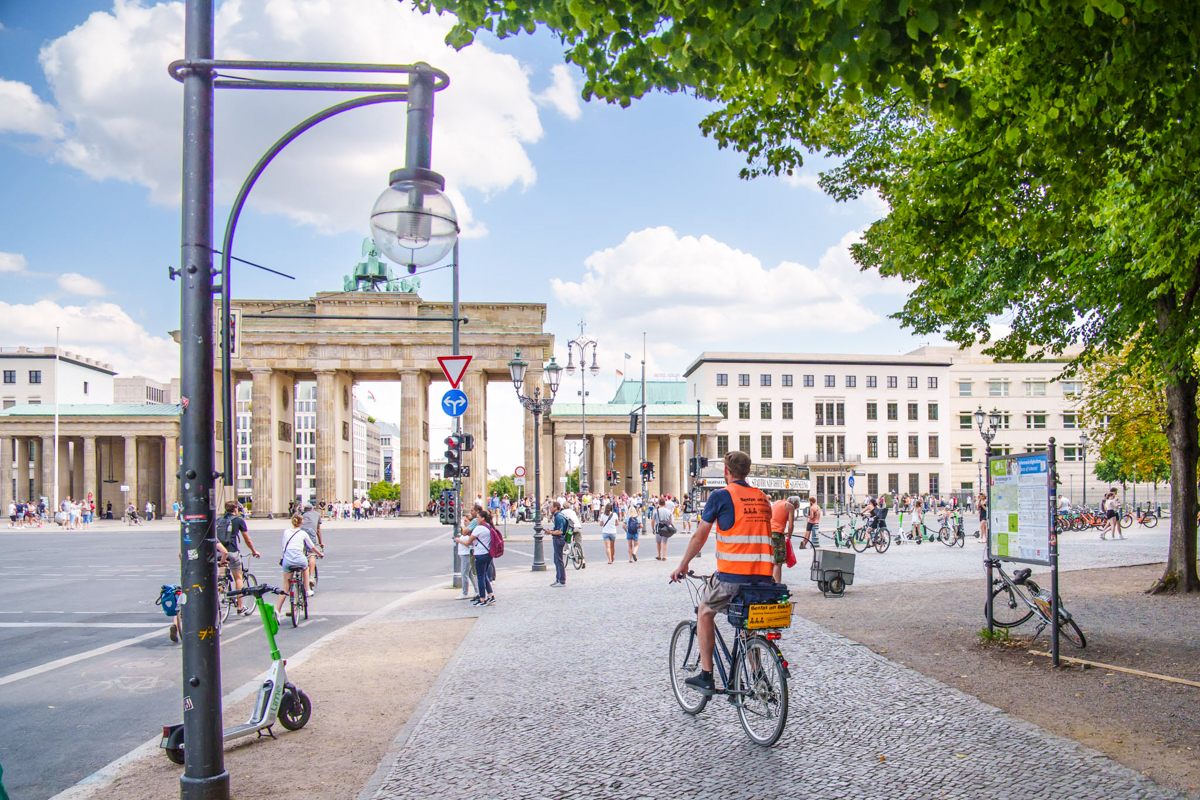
[833, 571]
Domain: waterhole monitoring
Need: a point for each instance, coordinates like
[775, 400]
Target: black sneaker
[705, 685]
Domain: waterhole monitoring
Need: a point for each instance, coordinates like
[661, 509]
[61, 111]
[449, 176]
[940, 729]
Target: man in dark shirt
[230, 528]
[561, 525]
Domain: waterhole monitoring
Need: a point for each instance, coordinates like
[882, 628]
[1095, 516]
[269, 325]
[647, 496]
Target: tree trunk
[1183, 434]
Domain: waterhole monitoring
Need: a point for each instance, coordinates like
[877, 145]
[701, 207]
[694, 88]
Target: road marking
[62, 662]
[81, 624]
[441, 537]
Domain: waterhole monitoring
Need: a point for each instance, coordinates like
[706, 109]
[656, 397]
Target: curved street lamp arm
[227, 245]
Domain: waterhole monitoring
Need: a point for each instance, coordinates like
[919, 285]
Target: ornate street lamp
[1083, 442]
[582, 343]
[537, 405]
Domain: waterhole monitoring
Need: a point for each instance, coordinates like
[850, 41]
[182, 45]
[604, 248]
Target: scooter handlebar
[254, 591]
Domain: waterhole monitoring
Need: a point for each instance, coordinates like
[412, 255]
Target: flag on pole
[620, 375]
[371, 396]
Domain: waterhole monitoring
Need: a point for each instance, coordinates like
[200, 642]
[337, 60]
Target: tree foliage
[384, 490]
[504, 485]
[439, 485]
[1124, 410]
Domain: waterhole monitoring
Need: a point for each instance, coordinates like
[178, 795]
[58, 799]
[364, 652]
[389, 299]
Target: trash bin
[833, 571]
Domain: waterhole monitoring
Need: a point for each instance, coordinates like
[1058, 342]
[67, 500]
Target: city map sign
[1019, 515]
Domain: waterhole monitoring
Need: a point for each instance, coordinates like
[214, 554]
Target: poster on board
[1019, 516]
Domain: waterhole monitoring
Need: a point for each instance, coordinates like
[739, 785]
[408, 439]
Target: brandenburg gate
[339, 338]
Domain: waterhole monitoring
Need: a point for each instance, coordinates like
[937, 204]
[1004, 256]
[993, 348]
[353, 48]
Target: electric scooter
[276, 697]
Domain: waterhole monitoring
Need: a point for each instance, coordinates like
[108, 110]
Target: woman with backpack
[609, 531]
[633, 529]
[479, 539]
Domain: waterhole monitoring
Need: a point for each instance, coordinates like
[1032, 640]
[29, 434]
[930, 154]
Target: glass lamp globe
[414, 224]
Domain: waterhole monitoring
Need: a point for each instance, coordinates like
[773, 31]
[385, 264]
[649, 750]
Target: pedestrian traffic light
[647, 470]
[614, 477]
[454, 448]
[608, 477]
[468, 441]
[696, 464]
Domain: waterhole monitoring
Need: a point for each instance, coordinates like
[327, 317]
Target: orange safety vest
[745, 549]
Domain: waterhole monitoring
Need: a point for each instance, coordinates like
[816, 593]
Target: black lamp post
[988, 423]
[421, 226]
[1083, 443]
[582, 343]
[537, 405]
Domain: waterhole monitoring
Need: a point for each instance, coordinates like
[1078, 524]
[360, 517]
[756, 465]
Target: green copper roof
[566, 410]
[93, 410]
[630, 391]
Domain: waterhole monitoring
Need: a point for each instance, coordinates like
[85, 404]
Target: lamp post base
[539, 551]
[215, 787]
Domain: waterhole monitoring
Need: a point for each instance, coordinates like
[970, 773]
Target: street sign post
[519, 480]
[454, 367]
[850, 481]
[454, 402]
[519, 472]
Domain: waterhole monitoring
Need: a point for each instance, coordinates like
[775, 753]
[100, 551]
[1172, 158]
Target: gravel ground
[1148, 725]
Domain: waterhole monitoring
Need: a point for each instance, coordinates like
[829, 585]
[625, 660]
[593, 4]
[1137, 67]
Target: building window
[764, 380]
[912, 381]
[35, 376]
[744, 443]
[965, 422]
[893, 447]
[744, 379]
[935, 483]
[1001, 450]
[10, 376]
[722, 379]
[1072, 452]
[744, 409]
[966, 454]
[722, 445]
[872, 411]
[872, 446]
[964, 388]
[786, 410]
[914, 446]
[933, 383]
[851, 381]
[723, 407]
[9, 403]
[820, 414]
[1070, 420]
[933, 411]
[872, 483]
[788, 447]
[872, 381]
[933, 447]
[998, 387]
[820, 448]
[893, 381]
[894, 482]
[830, 381]
[841, 441]
[1072, 388]
[968, 487]
[1035, 387]
[1036, 448]
[764, 409]
[1035, 419]
[893, 411]
[787, 380]
[85, 387]
[764, 445]
[913, 413]
[841, 413]
[808, 380]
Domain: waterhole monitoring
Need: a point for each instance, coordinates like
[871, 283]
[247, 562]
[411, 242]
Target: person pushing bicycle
[742, 515]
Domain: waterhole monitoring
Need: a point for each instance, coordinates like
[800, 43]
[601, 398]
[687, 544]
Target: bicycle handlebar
[256, 591]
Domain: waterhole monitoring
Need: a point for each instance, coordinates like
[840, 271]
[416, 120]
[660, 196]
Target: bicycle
[1147, 518]
[297, 595]
[876, 536]
[1008, 613]
[573, 550]
[843, 539]
[753, 674]
[953, 534]
[225, 603]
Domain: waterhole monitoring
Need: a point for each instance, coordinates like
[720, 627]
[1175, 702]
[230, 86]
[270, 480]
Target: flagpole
[54, 499]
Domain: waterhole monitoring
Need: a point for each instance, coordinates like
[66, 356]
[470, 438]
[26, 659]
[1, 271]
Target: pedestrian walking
[810, 527]
[559, 527]
[633, 529]
[479, 540]
[664, 528]
[466, 557]
[609, 531]
[783, 522]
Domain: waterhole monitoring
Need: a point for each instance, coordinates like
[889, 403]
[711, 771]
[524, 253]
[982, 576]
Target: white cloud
[23, 112]
[122, 111]
[12, 262]
[74, 283]
[805, 178]
[98, 330]
[563, 94]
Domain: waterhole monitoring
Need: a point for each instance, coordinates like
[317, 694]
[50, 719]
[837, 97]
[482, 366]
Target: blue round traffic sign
[850, 481]
[454, 402]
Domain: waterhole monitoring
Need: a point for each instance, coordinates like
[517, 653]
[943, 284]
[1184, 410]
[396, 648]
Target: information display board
[1019, 515]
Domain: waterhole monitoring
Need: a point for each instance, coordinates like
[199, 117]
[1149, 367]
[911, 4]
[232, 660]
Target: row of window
[1034, 387]
[35, 376]
[829, 413]
[1070, 452]
[1034, 420]
[893, 446]
[833, 448]
[830, 487]
[851, 381]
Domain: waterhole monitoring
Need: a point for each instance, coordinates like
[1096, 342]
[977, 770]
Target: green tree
[1039, 159]
[573, 481]
[383, 491]
[505, 485]
[438, 485]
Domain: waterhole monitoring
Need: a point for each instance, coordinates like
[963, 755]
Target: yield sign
[454, 367]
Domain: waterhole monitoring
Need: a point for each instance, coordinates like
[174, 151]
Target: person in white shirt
[295, 540]
[12, 515]
[608, 531]
[1112, 520]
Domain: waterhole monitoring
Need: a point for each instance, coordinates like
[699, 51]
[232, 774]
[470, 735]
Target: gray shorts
[234, 559]
[717, 593]
[661, 539]
[290, 563]
[611, 537]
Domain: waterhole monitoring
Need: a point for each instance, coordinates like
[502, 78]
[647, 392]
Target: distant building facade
[138, 390]
[28, 377]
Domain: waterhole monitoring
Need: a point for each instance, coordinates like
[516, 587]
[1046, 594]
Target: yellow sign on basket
[775, 615]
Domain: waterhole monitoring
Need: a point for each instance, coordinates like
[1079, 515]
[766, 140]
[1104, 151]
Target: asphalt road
[68, 594]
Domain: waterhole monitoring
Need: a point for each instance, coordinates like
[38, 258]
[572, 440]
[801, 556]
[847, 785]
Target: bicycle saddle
[1021, 575]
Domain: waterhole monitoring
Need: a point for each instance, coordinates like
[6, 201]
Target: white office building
[28, 375]
[139, 390]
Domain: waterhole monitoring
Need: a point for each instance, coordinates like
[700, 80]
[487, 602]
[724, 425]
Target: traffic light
[454, 448]
[608, 477]
[697, 464]
[446, 507]
[614, 477]
[468, 441]
[633, 422]
[647, 470]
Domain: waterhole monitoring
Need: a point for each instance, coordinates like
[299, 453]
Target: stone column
[77, 490]
[21, 469]
[262, 445]
[8, 448]
[170, 468]
[48, 471]
[560, 464]
[532, 379]
[327, 437]
[474, 383]
[653, 453]
[131, 474]
[685, 481]
[670, 472]
[414, 449]
[89, 470]
[599, 468]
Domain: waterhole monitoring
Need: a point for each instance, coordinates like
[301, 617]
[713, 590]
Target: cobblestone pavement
[563, 693]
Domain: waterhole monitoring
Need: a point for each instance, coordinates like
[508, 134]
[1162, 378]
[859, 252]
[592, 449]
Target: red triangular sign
[454, 367]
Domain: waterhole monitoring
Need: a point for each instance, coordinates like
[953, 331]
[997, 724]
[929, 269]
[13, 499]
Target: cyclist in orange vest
[742, 515]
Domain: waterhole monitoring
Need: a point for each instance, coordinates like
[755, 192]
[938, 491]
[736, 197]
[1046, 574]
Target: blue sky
[628, 218]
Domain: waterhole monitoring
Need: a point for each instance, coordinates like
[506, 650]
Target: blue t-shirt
[560, 523]
[719, 509]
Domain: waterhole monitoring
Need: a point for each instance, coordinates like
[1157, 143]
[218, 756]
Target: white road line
[441, 537]
[518, 552]
[62, 662]
[82, 624]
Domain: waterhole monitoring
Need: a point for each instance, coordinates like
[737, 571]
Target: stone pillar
[414, 442]
[474, 383]
[131, 474]
[262, 445]
[327, 437]
[560, 465]
[685, 482]
[170, 468]
[8, 456]
[670, 472]
[599, 467]
[48, 471]
[532, 379]
[77, 484]
[653, 455]
[89, 471]
[21, 454]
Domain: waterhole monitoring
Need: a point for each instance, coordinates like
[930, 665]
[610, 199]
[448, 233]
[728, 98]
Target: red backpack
[496, 543]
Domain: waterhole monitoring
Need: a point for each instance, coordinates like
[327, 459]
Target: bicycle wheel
[683, 662]
[223, 601]
[1150, 520]
[316, 576]
[248, 578]
[761, 692]
[883, 541]
[1008, 610]
[304, 601]
[1069, 629]
[1126, 520]
[946, 537]
[961, 537]
[861, 541]
[292, 601]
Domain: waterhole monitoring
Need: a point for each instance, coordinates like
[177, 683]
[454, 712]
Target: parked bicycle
[573, 549]
[753, 674]
[876, 535]
[1145, 517]
[953, 533]
[1017, 598]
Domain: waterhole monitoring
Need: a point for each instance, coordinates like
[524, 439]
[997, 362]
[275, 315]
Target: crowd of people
[357, 509]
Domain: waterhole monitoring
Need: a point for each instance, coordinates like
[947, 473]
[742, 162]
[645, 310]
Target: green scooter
[276, 697]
